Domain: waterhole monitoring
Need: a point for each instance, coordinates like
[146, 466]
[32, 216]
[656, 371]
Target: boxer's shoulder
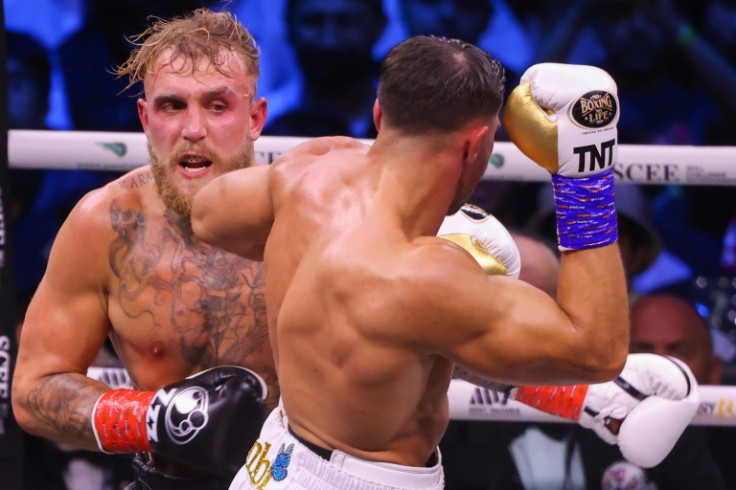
[317, 148]
[133, 190]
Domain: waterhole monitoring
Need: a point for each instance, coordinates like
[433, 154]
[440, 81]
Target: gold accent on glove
[530, 130]
[475, 247]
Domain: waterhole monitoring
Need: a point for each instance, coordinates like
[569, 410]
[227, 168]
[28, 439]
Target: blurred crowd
[675, 65]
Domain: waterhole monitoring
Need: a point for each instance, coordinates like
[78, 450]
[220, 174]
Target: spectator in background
[663, 96]
[719, 26]
[459, 19]
[38, 196]
[560, 31]
[29, 81]
[332, 41]
[668, 325]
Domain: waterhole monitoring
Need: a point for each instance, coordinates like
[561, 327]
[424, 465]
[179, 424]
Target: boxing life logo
[595, 110]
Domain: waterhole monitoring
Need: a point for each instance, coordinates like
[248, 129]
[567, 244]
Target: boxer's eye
[218, 107]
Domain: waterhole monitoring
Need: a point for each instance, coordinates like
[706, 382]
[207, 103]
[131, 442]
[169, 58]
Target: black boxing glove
[208, 421]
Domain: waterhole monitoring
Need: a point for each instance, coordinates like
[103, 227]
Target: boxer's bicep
[515, 333]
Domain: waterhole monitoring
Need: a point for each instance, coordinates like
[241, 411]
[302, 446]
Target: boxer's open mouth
[194, 163]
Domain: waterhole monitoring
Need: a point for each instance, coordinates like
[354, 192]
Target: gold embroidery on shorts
[259, 468]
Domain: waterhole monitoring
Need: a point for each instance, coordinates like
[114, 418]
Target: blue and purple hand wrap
[586, 211]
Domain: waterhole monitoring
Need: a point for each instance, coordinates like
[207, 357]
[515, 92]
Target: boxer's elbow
[604, 362]
[600, 346]
[22, 414]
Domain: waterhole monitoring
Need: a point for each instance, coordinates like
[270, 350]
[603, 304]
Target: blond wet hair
[202, 34]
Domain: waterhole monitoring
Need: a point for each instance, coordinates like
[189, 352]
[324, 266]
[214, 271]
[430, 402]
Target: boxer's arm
[564, 117]
[507, 330]
[644, 410]
[65, 327]
[235, 211]
[504, 329]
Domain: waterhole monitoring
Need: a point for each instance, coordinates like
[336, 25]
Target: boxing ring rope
[637, 164]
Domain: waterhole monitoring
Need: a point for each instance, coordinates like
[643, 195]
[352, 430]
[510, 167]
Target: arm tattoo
[64, 403]
[461, 373]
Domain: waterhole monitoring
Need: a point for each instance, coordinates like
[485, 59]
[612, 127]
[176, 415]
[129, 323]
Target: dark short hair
[435, 83]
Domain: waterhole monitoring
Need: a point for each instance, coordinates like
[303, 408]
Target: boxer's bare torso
[176, 306]
[171, 305]
[346, 297]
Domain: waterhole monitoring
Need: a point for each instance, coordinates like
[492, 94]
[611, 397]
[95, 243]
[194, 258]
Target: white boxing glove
[656, 397]
[485, 238]
[644, 410]
[564, 118]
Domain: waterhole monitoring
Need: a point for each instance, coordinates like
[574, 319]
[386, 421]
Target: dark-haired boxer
[369, 311]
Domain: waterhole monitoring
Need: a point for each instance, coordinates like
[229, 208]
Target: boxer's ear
[142, 113]
[474, 142]
[377, 115]
[258, 113]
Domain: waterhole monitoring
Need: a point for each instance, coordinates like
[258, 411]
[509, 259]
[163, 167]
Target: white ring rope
[638, 164]
[471, 402]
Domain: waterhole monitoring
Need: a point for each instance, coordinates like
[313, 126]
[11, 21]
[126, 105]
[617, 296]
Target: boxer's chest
[173, 296]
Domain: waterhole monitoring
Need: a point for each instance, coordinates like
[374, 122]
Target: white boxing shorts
[278, 460]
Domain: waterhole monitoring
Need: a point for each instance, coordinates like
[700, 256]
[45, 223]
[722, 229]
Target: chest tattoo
[211, 300]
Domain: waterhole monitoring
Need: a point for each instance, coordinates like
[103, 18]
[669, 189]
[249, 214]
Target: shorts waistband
[409, 477]
[378, 472]
[326, 454]
[323, 453]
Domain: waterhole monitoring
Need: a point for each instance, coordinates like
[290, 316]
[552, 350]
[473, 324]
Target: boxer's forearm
[59, 407]
[592, 292]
